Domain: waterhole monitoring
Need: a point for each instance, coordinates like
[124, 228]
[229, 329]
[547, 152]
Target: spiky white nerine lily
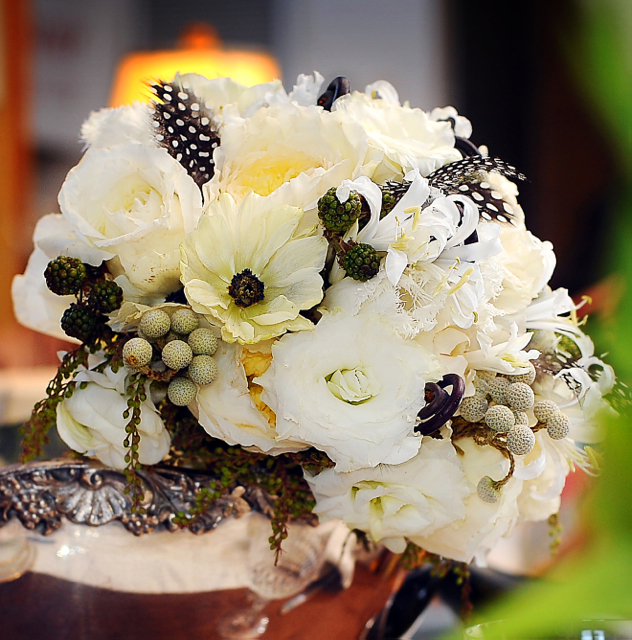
[414, 230]
[249, 270]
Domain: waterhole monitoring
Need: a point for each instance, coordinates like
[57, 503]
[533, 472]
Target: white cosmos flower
[394, 502]
[407, 138]
[291, 151]
[226, 409]
[91, 421]
[248, 270]
[135, 203]
[352, 388]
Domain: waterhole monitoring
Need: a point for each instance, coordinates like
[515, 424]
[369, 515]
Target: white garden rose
[249, 270]
[527, 264]
[109, 128]
[293, 152]
[483, 523]
[406, 138]
[544, 472]
[352, 388]
[394, 502]
[135, 203]
[91, 421]
[226, 409]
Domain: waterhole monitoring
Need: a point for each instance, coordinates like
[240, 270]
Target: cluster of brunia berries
[501, 402]
[97, 295]
[359, 260]
[174, 343]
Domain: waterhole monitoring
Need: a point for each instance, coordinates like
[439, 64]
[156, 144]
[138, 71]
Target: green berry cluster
[361, 262]
[65, 276]
[96, 295]
[337, 216]
[183, 351]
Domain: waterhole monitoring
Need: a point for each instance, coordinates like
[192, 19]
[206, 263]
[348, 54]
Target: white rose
[544, 472]
[227, 411]
[484, 522]
[135, 203]
[406, 138]
[527, 264]
[352, 387]
[393, 503]
[91, 421]
[293, 152]
[108, 128]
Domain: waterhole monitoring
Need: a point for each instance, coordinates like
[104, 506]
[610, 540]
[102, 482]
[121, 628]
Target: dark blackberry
[81, 323]
[338, 216]
[361, 262]
[65, 276]
[105, 296]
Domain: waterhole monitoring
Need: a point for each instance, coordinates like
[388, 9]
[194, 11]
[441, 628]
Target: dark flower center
[246, 289]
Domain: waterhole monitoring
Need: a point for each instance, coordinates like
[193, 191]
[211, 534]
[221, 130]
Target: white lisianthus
[483, 522]
[227, 410]
[109, 128]
[406, 138]
[352, 388]
[527, 264]
[394, 502]
[91, 421]
[295, 152]
[249, 270]
[135, 203]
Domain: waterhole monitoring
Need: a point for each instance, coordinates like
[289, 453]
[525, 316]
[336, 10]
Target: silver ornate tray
[41, 494]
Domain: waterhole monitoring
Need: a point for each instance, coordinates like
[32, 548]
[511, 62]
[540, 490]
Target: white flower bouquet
[331, 295]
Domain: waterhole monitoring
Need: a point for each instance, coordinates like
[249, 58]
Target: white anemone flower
[249, 270]
[394, 502]
[352, 388]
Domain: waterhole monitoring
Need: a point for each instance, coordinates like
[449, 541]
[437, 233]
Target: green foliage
[280, 477]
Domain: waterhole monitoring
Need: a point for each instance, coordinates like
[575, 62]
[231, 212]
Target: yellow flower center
[267, 174]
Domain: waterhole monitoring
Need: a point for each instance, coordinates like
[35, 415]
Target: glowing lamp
[199, 52]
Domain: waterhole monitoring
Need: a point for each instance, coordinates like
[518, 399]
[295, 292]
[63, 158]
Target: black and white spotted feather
[184, 127]
[467, 177]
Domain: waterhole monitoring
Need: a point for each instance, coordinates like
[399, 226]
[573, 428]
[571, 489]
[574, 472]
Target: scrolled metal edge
[42, 494]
